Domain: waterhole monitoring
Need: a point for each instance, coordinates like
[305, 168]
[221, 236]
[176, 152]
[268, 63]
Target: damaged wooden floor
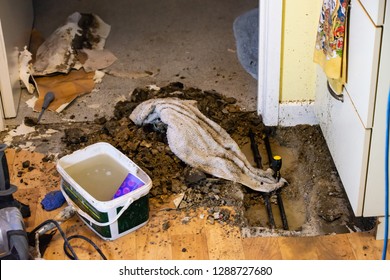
[175, 235]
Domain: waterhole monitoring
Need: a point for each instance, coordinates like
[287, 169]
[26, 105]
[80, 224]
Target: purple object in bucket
[129, 184]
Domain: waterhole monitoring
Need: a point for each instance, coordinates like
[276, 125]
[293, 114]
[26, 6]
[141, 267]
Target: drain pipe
[275, 163]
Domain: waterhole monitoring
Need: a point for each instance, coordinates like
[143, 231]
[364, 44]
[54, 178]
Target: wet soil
[314, 199]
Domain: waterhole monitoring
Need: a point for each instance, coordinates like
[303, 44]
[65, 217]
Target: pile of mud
[314, 199]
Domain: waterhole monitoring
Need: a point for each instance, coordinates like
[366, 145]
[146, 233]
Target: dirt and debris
[314, 199]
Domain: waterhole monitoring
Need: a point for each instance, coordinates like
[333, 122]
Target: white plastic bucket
[112, 218]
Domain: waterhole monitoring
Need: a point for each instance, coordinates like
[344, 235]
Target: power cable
[67, 247]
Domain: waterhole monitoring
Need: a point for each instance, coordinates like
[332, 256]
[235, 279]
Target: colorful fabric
[129, 184]
[330, 51]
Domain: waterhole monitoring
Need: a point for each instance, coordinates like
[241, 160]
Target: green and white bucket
[93, 197]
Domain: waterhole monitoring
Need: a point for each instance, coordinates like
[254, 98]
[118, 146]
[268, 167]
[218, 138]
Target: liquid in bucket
[100, 176]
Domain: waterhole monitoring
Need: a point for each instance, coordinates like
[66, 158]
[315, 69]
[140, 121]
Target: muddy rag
[331, 44]
[202, 143]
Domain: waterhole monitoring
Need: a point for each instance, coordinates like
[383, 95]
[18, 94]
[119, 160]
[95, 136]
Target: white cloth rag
[203, 144]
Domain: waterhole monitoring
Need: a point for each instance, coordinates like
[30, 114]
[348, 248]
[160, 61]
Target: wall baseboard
[295, 113]
[270, 35]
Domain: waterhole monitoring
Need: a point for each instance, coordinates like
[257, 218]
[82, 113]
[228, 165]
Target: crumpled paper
[58, 53]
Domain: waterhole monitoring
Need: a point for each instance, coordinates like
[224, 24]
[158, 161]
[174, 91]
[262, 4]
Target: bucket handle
[88, 217]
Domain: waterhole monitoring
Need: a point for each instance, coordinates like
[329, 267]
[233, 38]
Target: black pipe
[281, 209]
[255, 150]
[268, 148]
[275, 163]
[267, 203]
[257, 157]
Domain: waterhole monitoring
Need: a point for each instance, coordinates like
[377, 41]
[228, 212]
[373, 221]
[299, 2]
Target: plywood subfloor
[175, 235]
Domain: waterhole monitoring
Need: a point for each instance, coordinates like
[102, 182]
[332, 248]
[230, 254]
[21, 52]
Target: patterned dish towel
[331, 44]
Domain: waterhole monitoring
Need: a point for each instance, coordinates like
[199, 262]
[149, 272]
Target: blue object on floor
[246, 32]
[53, 200]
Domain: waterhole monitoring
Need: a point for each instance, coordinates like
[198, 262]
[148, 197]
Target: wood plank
[189, 247]
[10, 156]
[298, 248]
[261, 248]
[224, 243]
[365, 247]
[151, 245]
[175, 234]
[333, 247]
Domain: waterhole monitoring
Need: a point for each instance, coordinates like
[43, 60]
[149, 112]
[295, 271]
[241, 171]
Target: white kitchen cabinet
[354, 128]
[375, 10]
[363, 60]
[375, 176]
[348, 142]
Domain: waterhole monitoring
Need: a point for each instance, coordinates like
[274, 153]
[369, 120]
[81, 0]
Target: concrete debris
[97, 59]
[98, 78]
[25, 69]
[21, 130]
[29, 146]
[166, 225]
[177, 201]
[58, 54]
[153, 87]
[330, 215]
[210, 219]
[31, 102]
[186, 220]
[130, 74]
[193, 175]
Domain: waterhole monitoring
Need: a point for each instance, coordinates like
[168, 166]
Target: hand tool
[7, 189]
[66, 213]
[49, 97]
[13, 237]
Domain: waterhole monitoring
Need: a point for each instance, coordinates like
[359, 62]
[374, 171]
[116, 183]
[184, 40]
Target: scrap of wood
[66, 88]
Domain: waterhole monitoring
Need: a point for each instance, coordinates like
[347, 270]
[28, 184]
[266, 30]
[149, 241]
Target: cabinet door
[375, 191]
[375, 9]
[16, 20]
[347, 140]
[363, 62]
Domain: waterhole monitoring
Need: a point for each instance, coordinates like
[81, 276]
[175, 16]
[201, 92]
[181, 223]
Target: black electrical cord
[72, 255]
[86, 239]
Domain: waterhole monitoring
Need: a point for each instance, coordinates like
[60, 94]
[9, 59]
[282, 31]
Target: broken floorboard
[174, 234]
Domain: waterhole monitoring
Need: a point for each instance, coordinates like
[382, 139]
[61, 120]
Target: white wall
[16, 20]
